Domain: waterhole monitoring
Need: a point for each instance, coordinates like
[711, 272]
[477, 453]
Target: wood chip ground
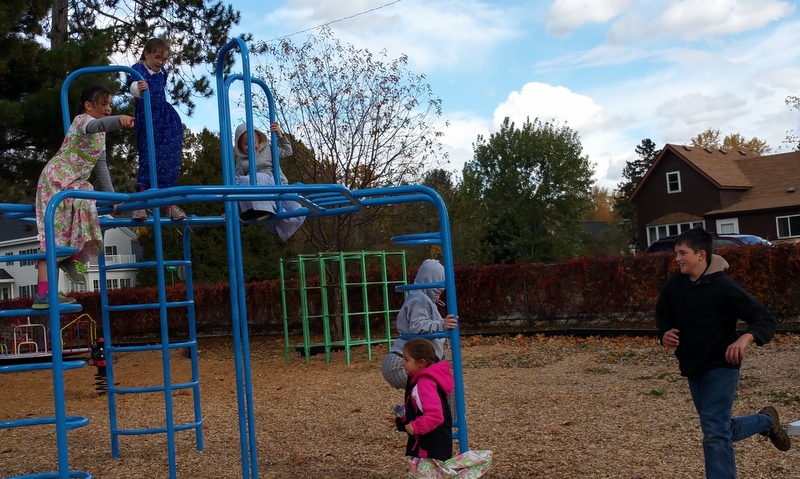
[549, 407]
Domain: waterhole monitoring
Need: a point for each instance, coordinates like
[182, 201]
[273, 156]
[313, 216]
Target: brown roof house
[724, 191]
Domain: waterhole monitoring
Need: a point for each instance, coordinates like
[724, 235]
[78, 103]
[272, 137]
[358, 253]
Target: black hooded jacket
[705, 312]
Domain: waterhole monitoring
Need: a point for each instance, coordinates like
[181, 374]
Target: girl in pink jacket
[428, 421]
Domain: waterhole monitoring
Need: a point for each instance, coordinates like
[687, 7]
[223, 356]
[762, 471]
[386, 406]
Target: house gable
[655, 205]
[732, 187]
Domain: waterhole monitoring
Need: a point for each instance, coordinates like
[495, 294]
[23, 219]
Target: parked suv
[720, 241]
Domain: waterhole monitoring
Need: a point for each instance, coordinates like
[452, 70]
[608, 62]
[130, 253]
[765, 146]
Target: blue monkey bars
[317, 200]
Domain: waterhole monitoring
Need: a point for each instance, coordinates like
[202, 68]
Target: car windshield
[754, 240]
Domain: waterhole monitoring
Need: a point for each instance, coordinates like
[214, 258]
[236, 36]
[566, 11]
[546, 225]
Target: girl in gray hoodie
[260, 210]
[418, 315]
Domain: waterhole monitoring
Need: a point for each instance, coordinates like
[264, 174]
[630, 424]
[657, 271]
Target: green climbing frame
[332, 289]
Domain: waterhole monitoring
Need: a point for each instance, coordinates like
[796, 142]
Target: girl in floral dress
[167, 126]
[76, 223]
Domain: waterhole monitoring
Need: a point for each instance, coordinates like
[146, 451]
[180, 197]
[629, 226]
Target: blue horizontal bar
[64, 308]
[72, 422]
[133, 307]
[409, 287]
[438, 335]
[417, 237]
[152, 389]
[61, 251]
[41, 366]
[150, 347]
[55, 475]
[156, 430]
[146, 264]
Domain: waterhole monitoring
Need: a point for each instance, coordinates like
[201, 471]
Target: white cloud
[459, 136]
[554, 103]
[693, 20]
[601, 132]
[442, 34]
[564, 16]
[688, 115]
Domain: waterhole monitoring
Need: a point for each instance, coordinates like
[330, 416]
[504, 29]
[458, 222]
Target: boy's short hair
[697, 239]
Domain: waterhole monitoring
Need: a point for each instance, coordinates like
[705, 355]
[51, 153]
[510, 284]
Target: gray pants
[393, 371]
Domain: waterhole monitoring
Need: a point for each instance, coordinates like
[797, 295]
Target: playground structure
[326, 293]
[21, 340]
[316, 201]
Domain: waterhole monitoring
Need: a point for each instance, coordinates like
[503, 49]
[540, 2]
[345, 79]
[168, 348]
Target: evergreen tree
[633, 173]
[86, 34]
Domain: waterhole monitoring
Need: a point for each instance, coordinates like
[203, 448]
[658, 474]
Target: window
[788, 226]
[96, 285]
[111, 250]
[125, 283]
[728, 226]
[674, 182]
[28, 262]
[662, 231]
[112, 283]
[27, 291]
[10, 263]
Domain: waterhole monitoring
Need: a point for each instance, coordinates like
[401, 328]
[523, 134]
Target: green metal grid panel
[327, 291]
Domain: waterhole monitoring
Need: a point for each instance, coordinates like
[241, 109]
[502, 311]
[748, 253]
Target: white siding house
[19, 280]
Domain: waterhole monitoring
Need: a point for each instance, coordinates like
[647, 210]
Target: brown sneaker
[175, 213]
[776, 434]
[139, 215]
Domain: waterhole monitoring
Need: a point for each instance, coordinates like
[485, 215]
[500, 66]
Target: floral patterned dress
[167, 132]
[76, 222]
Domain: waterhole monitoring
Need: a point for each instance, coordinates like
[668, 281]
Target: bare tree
[364, 121]
[792, 139]
[358, 119]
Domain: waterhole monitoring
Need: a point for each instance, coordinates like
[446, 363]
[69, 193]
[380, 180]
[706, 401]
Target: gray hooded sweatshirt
[263, 155]
[419, 314]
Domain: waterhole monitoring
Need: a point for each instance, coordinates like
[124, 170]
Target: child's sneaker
[776, 434]
[43, 302]
[139, 215]
[175, 213]
[254, 215]
[74, 269]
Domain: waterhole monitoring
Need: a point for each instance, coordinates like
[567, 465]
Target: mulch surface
[549, 407]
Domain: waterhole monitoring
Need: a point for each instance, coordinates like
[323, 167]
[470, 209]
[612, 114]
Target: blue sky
[616, 71]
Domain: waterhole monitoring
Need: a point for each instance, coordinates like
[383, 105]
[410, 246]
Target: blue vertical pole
[247, 434]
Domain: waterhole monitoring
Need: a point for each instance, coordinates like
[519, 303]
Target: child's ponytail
[421, 349]
[93, 94]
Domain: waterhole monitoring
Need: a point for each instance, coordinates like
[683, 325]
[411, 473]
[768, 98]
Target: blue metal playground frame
[317, 200]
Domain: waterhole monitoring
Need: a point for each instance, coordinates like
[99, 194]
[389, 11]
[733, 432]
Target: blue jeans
[712, 394]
